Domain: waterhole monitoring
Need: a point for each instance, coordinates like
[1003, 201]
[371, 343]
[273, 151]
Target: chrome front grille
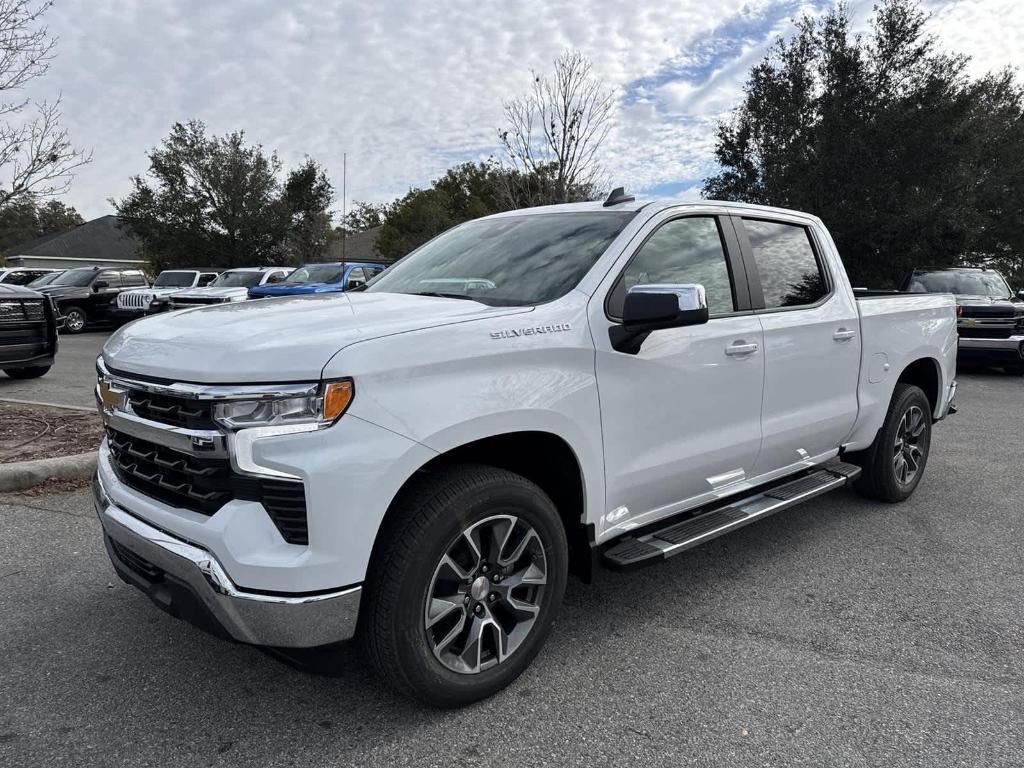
[132, 300]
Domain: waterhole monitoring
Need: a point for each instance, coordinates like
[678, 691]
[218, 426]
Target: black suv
[88, 294]
[990, 319]
[28, 332]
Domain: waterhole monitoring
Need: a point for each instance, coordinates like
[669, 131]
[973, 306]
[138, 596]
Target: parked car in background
[86, 295]
[46, 279]
[22, 275]
[28, 332]
[320, 278]
[140, 302]
[229, 286]
[423, 468]
[990, 317]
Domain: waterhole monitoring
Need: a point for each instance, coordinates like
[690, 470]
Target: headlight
[322, 408]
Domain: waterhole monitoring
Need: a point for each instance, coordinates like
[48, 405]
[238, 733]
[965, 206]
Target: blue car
[319, 278]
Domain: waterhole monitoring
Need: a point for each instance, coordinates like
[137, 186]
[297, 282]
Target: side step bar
[650, 548]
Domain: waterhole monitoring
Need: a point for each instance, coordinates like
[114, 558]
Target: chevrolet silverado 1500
[596, 385]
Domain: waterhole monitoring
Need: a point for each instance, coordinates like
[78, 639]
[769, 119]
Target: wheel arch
[926, 373]
[544, 458]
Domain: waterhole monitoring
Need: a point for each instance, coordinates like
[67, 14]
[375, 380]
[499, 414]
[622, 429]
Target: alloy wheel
[485, 594]
[74, 320]
[909, 446]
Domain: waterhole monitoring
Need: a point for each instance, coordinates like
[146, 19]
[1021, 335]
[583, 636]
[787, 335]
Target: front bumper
[189, 582]
[1011, 348]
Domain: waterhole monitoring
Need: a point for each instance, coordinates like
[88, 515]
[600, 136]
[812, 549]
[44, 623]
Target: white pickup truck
[596, 385]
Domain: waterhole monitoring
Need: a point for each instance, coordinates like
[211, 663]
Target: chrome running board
[649, 548]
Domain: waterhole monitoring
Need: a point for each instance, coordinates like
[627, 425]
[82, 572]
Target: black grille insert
[176, 411]
[205, 485]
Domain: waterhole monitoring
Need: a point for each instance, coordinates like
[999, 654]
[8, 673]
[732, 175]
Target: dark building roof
[358, 247]
[99, 239]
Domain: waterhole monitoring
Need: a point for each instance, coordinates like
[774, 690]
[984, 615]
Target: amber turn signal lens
[337, 397]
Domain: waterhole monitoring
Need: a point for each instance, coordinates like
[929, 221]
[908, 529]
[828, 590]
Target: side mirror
[656, 307]
[99, 285]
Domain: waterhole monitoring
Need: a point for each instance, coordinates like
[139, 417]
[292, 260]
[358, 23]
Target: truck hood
[275, 340]
[986, 306]
[64, 291]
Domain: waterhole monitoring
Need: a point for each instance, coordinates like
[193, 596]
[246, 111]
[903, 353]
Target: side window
[276, 277]
[686, 250]
[132, 279]
[790, 273]
[206, 278]
[110, 277]
[355, 278]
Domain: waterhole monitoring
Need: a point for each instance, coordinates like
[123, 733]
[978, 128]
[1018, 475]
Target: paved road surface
[842, 633]
[70, 381]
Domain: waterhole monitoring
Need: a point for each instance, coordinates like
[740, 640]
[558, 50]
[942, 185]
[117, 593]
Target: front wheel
[75, 319]
[465, 585]
[893, 465]
[29, 372]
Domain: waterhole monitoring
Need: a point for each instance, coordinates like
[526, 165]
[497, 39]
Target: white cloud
[405, 87]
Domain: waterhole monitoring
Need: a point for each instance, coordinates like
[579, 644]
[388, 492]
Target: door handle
[739, 348]
[843, 334]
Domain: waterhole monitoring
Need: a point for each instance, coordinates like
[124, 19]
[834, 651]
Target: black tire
[1014, 369]
[31, 372]
[428, 521]
[880, 478]
[75, 319]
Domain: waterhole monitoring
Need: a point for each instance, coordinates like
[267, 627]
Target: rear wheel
[31, 372]
[466, 586]
[75, 319]
[893, 465]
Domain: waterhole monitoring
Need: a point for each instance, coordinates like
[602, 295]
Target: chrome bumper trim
[204, 443]
[281, 620]
[1011, 344]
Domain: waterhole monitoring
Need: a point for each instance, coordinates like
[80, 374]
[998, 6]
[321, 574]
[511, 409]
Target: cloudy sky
[408, 87]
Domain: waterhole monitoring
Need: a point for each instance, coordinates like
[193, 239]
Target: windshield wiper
[444, 295]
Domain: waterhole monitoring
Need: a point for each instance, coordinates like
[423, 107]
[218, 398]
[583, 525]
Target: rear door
[680, 417]
[811, 340]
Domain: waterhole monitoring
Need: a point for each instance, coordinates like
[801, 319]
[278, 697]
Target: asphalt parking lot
[840, 633]
[71, 380]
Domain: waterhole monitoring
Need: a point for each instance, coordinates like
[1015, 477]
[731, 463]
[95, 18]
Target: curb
[19, 475]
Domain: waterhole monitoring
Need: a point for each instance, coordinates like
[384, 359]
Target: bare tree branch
[36, 156]
[555, 130]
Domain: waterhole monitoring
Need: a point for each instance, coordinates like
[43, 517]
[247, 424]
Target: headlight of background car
[322, 408]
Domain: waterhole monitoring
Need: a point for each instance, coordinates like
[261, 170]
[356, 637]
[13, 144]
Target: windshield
[237, 280]
[961, 283]
[75, 277]
[44, 280]
[317, 273]
[514, 260]
[174, 279]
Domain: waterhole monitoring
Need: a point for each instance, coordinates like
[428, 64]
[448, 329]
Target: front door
[680, 417]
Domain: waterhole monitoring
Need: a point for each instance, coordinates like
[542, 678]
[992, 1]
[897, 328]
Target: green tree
[216, 201]
[906, 158]
[24, 220]
[307, 196]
